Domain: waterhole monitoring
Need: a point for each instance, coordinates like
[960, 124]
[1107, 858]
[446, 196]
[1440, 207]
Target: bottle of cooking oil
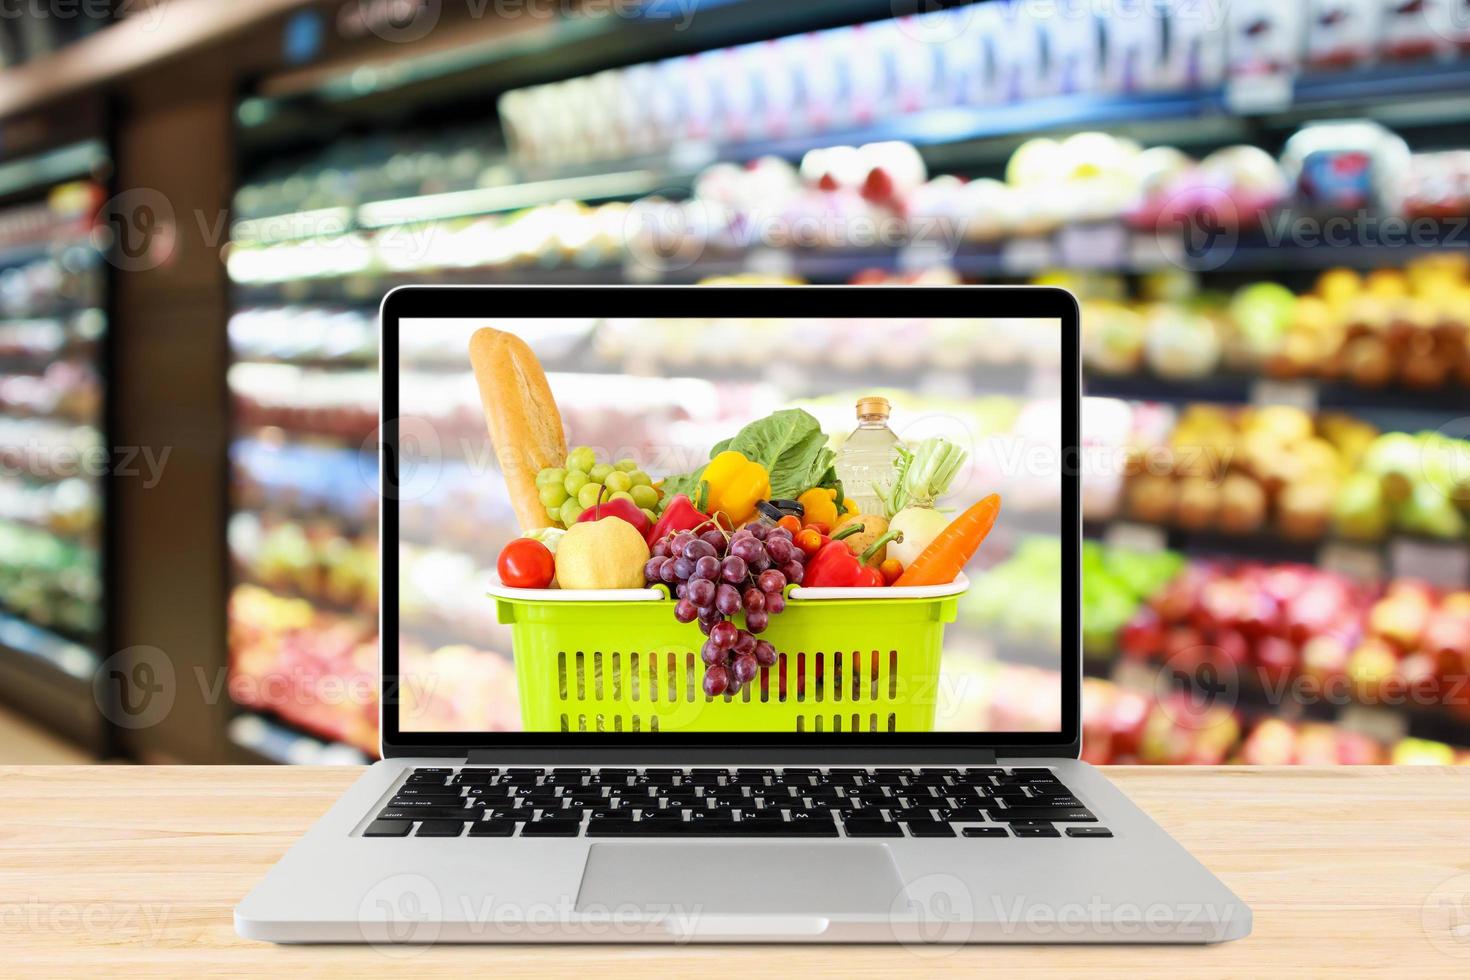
[866, 460]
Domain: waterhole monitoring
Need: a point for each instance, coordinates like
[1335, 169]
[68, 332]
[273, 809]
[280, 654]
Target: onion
[920, 526]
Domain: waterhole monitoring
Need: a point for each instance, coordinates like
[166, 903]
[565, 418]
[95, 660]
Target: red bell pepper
[625, 509]
[679, 515]
[836, 567]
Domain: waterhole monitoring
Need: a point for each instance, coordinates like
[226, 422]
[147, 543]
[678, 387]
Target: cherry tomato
[809, 541]
[891, 568]
[790, 523]
[526, 563]
[820, 527]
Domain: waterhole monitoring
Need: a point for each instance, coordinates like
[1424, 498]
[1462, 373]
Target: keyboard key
[929, 828]
[493, 828]
[962, 814]
[440, 828]
[433, 770]
[984, 832]
[868, 827]
[523, 773]
[716, 828]
[1035, 832]
[1089, 832]
[555, 827]
[1037, 771]
[416, 805]
[442, 792]
[1059, 814]
[388, 828]
[393, 812]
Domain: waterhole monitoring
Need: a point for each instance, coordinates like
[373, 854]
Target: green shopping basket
[848, 660]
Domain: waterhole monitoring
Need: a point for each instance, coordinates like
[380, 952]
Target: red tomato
[526, 563]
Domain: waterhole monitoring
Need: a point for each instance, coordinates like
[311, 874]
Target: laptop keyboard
[930, 803]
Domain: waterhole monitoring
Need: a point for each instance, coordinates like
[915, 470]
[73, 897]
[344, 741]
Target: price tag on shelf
[1379, 724]
[1257, 94]
[637, 272]
[922, 256]
[1150, 251]
[1093, 246]
[1135, 537]
[1292, 394]
[1026, 254]
[775, 262]
[1444, 564]
[1358, 562]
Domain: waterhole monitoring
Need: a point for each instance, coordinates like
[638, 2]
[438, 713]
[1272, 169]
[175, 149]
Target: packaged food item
[1072, 38]
[1417, 29]
[1347, 166]
[1194, 55]
[1016, 50]
[1133, 47]
[1264, 37]
[1341, 33]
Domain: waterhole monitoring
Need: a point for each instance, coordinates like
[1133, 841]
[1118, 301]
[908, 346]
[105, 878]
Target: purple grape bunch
[716, 576]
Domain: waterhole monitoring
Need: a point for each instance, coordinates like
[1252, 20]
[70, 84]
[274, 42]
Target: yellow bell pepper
[819, 505]
[736, 485]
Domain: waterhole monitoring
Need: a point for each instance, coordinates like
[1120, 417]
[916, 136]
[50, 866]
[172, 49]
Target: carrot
[941, 562]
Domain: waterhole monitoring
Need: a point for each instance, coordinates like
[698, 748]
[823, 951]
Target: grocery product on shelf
[53, 454]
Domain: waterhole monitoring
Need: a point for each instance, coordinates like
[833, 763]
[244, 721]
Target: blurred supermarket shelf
[261, 738]
[1104, 248]
[1445, 403]
[1442, 561]
[20, 639]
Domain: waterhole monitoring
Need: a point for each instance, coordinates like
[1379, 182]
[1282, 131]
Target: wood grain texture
[119, 870]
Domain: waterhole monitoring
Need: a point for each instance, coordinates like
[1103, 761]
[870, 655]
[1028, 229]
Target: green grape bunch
[566, 491]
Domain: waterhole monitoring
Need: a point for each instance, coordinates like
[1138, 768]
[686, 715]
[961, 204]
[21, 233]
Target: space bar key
[680, 828]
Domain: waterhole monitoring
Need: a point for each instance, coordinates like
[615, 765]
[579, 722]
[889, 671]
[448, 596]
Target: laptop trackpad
[739, 879]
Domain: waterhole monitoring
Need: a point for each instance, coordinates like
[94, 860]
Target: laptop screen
[776, 525]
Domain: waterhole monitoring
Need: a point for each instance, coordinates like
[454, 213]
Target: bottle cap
[873, 405]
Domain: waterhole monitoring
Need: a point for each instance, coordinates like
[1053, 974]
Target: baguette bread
[521, 414]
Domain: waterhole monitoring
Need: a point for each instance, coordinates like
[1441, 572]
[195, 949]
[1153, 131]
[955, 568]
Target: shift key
[1054, 814]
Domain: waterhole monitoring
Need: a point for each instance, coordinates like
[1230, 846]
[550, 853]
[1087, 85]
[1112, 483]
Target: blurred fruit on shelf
[53, 582]
[315, 670]
[314, 560]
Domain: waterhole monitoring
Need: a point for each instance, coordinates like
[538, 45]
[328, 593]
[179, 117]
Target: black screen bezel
[1029, 302]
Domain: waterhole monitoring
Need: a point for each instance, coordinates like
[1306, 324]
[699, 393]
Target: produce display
[1272, 625]
[774, 520]
[312, 669]
[1404, 328]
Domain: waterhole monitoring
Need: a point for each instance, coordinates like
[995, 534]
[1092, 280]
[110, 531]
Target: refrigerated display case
[1171, 197]
[55, 456]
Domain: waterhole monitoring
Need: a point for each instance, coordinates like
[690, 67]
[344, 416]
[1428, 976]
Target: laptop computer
[594, 740]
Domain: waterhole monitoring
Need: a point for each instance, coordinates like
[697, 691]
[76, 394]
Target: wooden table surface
[135, 870]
